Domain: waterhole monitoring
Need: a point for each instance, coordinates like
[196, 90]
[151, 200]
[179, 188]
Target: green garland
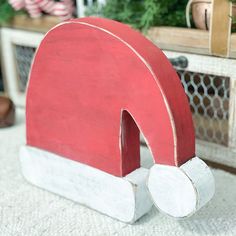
[142, 14]
[6, 11]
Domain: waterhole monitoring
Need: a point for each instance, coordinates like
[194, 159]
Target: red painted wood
[85, 73]
[130, 143]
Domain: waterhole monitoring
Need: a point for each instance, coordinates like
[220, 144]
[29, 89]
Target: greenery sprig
[6, 11]
[142, 14]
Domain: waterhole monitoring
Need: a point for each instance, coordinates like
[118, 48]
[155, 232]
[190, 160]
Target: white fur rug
[29, 211]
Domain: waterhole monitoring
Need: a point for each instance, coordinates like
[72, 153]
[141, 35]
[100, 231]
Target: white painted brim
[125, 199]
[181, 191]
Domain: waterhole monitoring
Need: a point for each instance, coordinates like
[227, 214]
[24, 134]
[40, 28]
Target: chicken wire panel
[23, 58]
[209, 102]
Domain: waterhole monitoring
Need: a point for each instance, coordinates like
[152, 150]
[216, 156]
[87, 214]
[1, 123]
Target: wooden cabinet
[19, 41]
[210, 84]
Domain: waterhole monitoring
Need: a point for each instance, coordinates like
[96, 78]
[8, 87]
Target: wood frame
[11, 37]
[41, 25]
[221, 67]
[194, 41]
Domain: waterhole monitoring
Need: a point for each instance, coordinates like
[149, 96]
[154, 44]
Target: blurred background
[198, 37]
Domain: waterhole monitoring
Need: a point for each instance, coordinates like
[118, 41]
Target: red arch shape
[85, 73]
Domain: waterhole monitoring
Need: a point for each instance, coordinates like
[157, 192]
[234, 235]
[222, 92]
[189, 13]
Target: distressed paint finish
[176, 191]
[85, 75]
[181, 191]
[127, 201]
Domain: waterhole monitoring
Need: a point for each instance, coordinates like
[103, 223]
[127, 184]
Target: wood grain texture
[92, 70]
[171, 38]
[24, 22]
[220, 29]
[194, 41]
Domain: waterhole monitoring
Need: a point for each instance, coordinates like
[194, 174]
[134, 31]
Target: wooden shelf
[42, 24]
[185, 40]
[167, 38]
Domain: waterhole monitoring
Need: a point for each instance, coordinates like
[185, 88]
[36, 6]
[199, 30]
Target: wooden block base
[125, 199]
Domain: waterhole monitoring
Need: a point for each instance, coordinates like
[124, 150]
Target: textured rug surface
[29, 211]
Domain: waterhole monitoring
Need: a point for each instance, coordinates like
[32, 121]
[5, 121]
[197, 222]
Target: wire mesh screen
[23, 59]
[209, 102]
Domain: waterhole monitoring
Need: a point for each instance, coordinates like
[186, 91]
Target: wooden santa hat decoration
[94, 84]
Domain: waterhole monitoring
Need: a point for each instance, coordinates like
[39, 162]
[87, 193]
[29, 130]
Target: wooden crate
[220, 146]
[214, 149]
[195, 45]
[21, 36]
